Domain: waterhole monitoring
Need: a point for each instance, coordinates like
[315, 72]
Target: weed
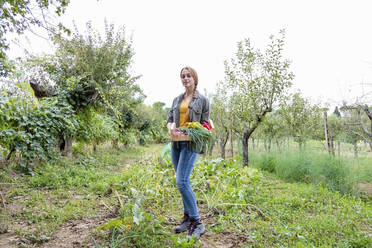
[143, 201]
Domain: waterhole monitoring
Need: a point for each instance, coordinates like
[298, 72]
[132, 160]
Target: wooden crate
[180, 138]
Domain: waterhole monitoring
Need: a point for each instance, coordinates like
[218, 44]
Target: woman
[187, 107]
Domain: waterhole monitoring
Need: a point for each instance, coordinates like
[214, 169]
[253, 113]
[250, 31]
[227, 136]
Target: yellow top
[184, 113]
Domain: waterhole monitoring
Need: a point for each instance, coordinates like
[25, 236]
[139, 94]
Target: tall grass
[363, 169]
[307, 166]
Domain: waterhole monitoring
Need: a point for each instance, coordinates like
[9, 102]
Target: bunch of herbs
[198, 134]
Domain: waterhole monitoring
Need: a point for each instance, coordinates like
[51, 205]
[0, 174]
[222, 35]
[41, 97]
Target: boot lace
[185, 219]
[193, 226]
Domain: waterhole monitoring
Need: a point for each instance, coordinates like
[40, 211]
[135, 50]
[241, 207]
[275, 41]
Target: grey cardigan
[198, 110]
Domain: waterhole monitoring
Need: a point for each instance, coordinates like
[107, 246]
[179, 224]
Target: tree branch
[360, 135]
[368, 113]
[363, 125]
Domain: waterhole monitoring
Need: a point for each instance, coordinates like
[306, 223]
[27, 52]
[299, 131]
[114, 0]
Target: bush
[32, 128]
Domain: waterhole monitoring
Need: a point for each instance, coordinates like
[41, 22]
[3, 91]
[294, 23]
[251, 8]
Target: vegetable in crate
[199, 135]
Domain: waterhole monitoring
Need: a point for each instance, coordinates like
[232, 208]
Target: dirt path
[220, 240]
[365, 188]
[77, 233]
[74, 233]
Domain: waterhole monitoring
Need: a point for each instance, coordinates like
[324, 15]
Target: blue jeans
[183, 162]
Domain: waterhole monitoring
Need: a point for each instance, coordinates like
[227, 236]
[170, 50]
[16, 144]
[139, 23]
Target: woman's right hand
[170, 127]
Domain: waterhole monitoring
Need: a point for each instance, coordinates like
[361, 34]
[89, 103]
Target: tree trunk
[10, 154]
[253, 143]
[355, 149]
[369, 114]
[211, 145]
[364, 127]
[94, 147]
[326, 133]
[269, 145]
[245, 139]
[61, 143]
[41, 91]
[115, 143]
[222, 147]
[338, 148]
[231, 143]
[223, 144]
[332, 146]
[67, 150]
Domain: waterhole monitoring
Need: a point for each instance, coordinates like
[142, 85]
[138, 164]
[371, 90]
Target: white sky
[328, 42]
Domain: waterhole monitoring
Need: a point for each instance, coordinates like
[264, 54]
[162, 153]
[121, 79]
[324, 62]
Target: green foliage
[83, 172]
[363, 170]
[18, 16]
[309, 167]
[103, 128]
[94, 70]
[301, 117]
[353, 120]
[256, 81]
[159, 122]
[95, 127]
[221, 115]
[165, 156]
[337, 112]
[150, 123]
[32, 127]
[336, 128]
[200, 136]
[94, 74]
[273, 128]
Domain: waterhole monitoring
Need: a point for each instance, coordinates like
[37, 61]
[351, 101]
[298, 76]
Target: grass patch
[236, 202]
[59, 191]
[320, 169]
[242, 207]
[363, 170]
